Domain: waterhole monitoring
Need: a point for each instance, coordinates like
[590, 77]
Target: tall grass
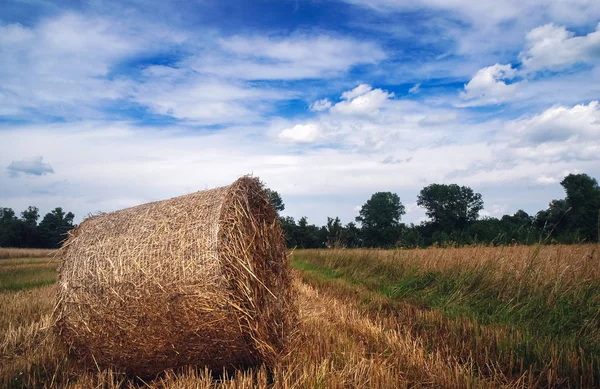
[338, 347]
[536, 309]
[517, 317]
[24, 253]
[25, 273]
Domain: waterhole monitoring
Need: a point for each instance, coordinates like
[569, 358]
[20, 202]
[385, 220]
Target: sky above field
[109, 104]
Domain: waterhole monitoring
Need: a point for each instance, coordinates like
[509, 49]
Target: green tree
[451, 207]
[31, 216]
[334, 232]
[289, 228]
[309, 235]
[552, 220]
[351, 236]
[54, 227]
[380, 218]
[583, 198]
[10, 231]
[275, 200]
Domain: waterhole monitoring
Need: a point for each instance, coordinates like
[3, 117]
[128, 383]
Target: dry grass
[24, 273]
[24, 253]
[339, 347]
[358, 332]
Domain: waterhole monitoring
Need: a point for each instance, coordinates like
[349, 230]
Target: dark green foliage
[380, 219]
[25, 232]
[334, 232]
[453, 211]
[275, 200]
[451, 207]
[583, 199]
[54, 227]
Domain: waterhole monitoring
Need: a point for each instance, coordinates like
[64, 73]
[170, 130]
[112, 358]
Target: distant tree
[10, 229]
[275, 200]
[334, 232]
[31, 236]
[451, 207]
[309, 235]
[288, 225]
[351, 236]
[54, 227]
[7, 214]
[519, 217]
[583, 198]
[380, 218]
[31, 216]
[552, 220]
[410, 236]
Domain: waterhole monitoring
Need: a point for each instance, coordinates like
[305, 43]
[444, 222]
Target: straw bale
[200, 279]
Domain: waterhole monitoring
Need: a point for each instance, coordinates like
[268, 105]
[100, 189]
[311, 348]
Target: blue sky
[109, 104]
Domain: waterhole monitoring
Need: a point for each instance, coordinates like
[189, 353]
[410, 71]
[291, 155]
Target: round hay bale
[200, 279]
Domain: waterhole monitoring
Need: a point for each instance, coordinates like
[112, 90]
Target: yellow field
[363, 326]
[24, 253]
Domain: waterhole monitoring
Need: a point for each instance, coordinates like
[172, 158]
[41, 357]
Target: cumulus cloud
[489, 86]
[554, 47]
[371, 119]
[358, 91]
[362, 100]
[301, 133]
[556, 125]
[320, 105]
[30, 167]
[557, 136]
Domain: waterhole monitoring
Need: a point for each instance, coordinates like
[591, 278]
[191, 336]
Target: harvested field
[25, 253]
[519, 317]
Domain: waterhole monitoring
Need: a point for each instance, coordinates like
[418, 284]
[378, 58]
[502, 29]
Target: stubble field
[513, 317]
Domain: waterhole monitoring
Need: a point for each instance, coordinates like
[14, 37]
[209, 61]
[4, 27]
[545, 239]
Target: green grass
[26, 273]
[554, 324]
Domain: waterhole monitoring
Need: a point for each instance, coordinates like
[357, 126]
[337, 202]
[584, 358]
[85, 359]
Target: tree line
[453, 211]
[25, 231]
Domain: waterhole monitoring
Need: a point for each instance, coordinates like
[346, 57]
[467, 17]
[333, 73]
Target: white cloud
[415, 89]
[30, 166]
[489, 86]
[362, 100]
[547, 180]
[186, 95]
[358, 91]
[59, 66]
[554, 47]
[320, 105]
[493, 210]
[371, 120]
[557, 125]
[486, 12]
[301, 133]
[291, 57]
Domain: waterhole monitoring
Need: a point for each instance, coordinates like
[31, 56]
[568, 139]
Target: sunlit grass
[516, 317]
[24, 273]
[24, 253]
